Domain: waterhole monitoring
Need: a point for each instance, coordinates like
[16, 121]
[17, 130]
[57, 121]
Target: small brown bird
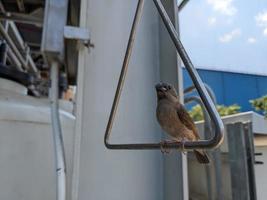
[175, 120]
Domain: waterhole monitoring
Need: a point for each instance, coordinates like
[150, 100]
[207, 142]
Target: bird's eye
[169, 87]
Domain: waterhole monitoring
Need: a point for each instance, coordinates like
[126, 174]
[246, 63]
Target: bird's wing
[187, 120]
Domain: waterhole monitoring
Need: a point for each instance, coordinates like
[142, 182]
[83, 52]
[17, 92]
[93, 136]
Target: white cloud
[252, 40]
[223, 6]
[261, 20]
[230, 36]
[212, 21]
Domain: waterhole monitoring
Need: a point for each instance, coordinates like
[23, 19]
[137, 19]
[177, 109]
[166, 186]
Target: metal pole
[57, 133]
[21, 45]
[208, 88]
[182, 5]
[21, 18]
[12, 46]
[14, 60]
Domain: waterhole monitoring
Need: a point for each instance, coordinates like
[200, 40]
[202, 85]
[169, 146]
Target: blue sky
[226, 34]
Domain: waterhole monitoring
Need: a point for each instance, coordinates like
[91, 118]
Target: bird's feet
[183, 149]
[182, 141]
[167, 150]
[163, 149]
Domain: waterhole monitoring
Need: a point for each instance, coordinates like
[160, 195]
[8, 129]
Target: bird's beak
[159, 87]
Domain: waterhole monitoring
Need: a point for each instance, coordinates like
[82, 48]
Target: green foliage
[260, 104]
[197, 114]
[228, 110]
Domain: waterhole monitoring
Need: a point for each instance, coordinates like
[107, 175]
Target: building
[231, 87]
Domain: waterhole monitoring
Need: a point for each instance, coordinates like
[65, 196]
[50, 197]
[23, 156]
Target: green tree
[197, 114]
[260, 104]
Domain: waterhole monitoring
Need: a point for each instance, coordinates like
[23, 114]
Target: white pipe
[57, 133]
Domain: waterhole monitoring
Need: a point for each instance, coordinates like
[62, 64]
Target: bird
[175, 120]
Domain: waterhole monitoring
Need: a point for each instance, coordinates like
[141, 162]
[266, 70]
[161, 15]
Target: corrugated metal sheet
[231, 88]
[240, 70]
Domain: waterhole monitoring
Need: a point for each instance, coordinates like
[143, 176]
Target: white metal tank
[26, 145]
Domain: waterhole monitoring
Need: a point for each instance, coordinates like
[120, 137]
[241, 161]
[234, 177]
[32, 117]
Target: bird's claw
[162, 144]
[183, 149]
[167, 151]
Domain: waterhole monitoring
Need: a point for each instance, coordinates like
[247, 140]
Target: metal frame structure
[216, 140]
[21, 61]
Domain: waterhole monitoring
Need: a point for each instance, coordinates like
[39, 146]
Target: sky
[226, 34]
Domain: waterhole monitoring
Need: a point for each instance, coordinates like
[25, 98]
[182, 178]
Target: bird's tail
[202, 157]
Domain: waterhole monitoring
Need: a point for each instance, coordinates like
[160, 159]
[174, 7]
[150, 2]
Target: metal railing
[215, 141]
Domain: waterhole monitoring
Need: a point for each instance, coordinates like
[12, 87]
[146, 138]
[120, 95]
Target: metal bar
[14, 60]
[6, 25]
[32, 65]
[3, 49]
[249, 148]
[15, 35]
[57, 133]
[2, 8]
[21, 6]
[209, 105]
[219, 128]
[208, 88]
[137, 17]
[28, 59]
[76, 33]
[182, 5]
[21, 18]
[12, 46]
[238, 161]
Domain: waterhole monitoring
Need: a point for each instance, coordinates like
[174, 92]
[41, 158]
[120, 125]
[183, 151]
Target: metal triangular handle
[216, 140]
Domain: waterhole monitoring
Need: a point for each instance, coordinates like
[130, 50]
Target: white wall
[109, 174]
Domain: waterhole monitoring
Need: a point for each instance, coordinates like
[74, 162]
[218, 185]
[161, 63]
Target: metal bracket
[216, 140]
[258, 162]
[77, 33]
